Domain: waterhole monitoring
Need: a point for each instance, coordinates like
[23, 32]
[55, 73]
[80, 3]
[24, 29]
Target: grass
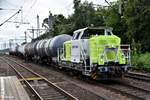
[141, 62]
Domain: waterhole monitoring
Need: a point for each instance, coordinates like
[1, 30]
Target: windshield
[92, 32]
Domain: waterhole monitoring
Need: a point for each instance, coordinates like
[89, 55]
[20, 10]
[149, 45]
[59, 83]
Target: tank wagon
[21, 50]
[93, 52]
[45, 50]
[12, 51]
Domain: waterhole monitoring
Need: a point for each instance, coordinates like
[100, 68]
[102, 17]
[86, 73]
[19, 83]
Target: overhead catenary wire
[108, 3]
[10, 17]
[7, 9]
[14, 12]
[115, 10]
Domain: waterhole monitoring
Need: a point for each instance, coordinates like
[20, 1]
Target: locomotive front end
[108, 57]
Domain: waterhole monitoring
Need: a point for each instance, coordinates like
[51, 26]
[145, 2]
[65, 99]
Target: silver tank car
[21, 49]
[12, 50]
[34, 45]
[46, 47]
[16, 50]
[53, 44]
[28, 49]
[40, 48]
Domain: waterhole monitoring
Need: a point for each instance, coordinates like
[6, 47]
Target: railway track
[132, 91]
[69, 86]
[138, 76]
[42, 89]
[123, 88]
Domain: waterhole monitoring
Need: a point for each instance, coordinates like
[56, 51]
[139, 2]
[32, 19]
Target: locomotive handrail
[125, 49]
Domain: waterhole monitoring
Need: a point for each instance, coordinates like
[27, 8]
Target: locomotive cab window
[108, 32]
[92, 32]
[76, 36]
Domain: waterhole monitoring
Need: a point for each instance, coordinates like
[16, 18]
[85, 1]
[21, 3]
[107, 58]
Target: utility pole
[10, 43]
[25, 36]
[37, 29]
[32, 31]
[38, 26]
[120, 7]
[21, 15]
[50, 21]
[4, 45]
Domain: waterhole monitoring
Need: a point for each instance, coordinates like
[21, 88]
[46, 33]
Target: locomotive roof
[102, 27]
[94, 28]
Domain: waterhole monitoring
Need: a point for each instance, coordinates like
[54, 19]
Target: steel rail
[138, 76]
[118, 90]
[124, 93]
[111, 88]
[71, 97]
[26, 82]
[134, 87]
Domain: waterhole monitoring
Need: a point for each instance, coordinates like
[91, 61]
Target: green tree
[137, 15]
[85, 15]
[113, 19]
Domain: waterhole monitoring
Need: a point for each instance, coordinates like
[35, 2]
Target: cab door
[75, 51]
[75, 48]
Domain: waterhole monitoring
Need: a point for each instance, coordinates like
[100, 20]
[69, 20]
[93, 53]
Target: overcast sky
[30, 10]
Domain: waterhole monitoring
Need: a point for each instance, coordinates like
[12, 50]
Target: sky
[30, 9]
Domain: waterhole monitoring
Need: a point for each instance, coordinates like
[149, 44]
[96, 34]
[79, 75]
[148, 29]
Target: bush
[141, 62]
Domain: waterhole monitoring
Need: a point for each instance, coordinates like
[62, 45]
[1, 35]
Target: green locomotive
[96, 52]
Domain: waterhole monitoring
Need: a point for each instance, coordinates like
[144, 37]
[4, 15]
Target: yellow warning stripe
[94, 77]
[93, 74]
[31, 79]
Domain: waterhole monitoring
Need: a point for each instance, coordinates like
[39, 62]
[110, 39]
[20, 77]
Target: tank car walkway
[11, 89]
